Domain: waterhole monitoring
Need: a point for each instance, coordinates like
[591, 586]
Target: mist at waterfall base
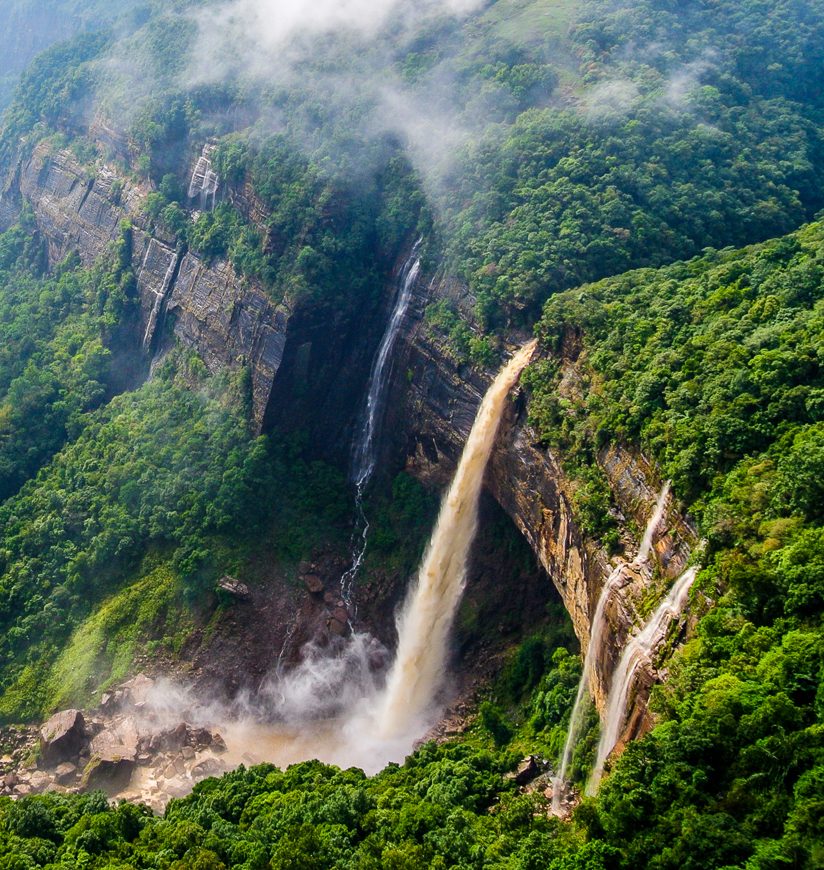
[342, 704]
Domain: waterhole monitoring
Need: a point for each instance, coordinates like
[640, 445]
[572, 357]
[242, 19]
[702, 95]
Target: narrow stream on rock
[639, 650]
[364, 454]
[597, 628]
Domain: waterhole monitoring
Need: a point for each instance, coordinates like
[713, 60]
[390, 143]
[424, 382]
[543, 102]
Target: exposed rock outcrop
[62, 737]
[230, 321]
[140, 742]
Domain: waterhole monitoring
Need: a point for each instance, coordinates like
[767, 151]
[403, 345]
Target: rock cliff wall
[231, 322]
[437, 402]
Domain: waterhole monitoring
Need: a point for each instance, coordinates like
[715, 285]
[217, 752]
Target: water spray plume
[427, 616]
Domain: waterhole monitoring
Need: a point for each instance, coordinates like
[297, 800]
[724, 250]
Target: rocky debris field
[130, 747]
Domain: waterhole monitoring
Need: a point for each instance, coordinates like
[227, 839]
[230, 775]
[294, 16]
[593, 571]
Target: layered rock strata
[230, 321]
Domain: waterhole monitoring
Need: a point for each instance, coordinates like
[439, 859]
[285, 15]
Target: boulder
[62, 737]
[175, 738]
[65, 773]
[110, 770]
[336, 627]
[39, 780]
[137, 690]
[120, 735]
[313, 583]
[233, 587]
[207, 767]
[527, 770]
[200, 738]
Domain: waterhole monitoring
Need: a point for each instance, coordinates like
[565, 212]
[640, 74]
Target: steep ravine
[232, 322]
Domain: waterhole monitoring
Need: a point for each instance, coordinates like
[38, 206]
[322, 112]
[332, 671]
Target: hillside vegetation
[641, 185]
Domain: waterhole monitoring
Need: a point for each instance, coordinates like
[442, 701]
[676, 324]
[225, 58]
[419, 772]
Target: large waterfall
[427, 616]
[363, 453]
[638, 651]
[336, 707]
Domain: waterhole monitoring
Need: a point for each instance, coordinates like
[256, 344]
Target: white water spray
[426, 619]
[652, 526]
[638, 651]
[363, 454]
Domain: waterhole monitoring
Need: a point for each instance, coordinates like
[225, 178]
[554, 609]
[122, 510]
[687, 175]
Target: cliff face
[311, 358]
[229, 321]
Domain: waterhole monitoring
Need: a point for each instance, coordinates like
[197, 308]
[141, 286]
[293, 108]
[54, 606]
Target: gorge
[411, 434]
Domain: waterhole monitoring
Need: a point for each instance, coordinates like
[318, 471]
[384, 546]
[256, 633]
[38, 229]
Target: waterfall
[363, 453]
[205, 182]
[652, 525]
[638, 651]
[363, 459]
[597, 627]
[576, 720]
[160, 299]
[426, 618]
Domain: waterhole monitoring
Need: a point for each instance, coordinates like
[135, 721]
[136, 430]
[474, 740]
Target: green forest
[640, 187]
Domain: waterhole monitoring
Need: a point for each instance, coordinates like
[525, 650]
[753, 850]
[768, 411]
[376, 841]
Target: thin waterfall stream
[576, 720]
[638, 651]
[363, 454]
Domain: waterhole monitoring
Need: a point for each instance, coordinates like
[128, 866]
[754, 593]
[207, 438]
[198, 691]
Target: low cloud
[262, 38]
[610, 98]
